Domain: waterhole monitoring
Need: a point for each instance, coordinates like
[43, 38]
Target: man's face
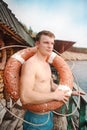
[46, 45]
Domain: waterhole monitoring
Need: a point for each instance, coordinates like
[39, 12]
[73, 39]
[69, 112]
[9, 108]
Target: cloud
[66, 20]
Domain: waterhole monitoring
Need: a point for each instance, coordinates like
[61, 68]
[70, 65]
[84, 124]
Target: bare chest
[43, 73]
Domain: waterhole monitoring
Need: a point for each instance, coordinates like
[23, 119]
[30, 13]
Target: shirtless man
[35, 82]
[36, 85]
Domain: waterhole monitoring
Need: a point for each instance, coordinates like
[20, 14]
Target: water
[80, 72]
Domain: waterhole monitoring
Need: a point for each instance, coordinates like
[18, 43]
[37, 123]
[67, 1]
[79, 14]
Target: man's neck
[41, 57]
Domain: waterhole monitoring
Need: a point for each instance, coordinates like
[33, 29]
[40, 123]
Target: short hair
[44, 32]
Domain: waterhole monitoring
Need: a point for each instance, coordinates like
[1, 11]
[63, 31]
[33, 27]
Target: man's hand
[61, 95]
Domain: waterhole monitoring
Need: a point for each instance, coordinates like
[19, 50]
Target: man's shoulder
[31, 62]
[29, 66]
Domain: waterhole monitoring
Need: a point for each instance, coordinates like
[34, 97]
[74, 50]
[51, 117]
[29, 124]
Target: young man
[36, 84]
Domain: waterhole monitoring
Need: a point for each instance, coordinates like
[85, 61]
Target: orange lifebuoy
[12, 74]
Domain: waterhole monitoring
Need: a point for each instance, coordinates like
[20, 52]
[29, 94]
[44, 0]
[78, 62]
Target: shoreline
[75, 56]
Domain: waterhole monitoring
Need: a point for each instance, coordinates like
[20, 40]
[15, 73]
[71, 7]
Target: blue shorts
[37, 121]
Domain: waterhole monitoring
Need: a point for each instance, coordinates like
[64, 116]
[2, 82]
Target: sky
[67, 19]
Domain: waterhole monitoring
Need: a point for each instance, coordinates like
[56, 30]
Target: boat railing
[78, 120]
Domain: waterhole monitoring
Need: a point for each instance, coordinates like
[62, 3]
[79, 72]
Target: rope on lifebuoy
[11, 77]
[18, 57]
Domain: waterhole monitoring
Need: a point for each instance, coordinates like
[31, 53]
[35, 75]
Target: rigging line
[25, 120]
[10, 46]
[73, 124]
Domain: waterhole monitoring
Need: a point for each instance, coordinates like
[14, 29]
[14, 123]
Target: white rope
[25, 120]
[18, 58]
[51, 58]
